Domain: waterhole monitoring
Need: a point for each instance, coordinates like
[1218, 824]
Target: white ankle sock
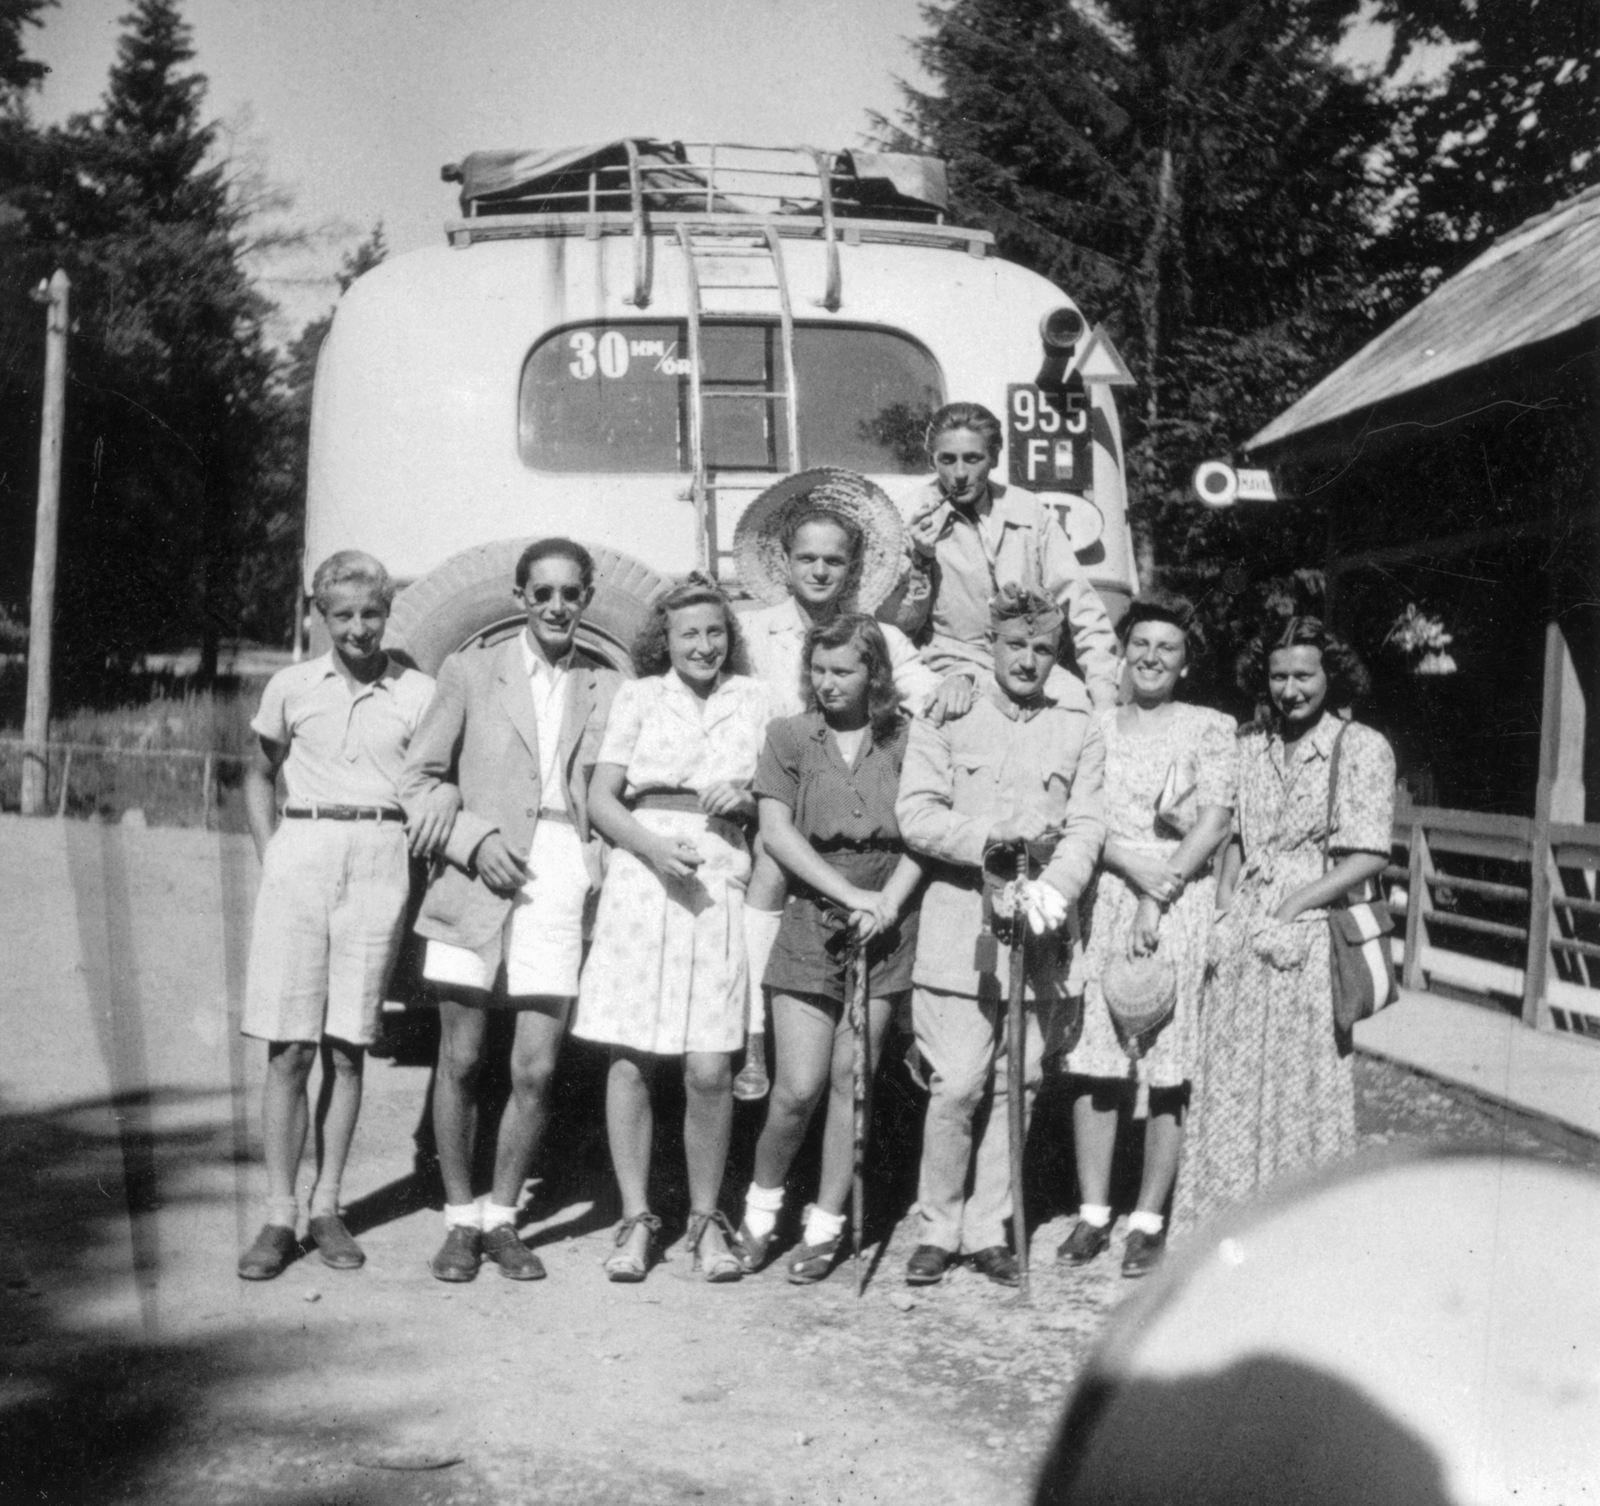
[1146, 1223]
[282, 1211]
[1098, 1215]
[821, 1227]
[495, 1214]
[760, 931]
[463, 1215]
[324, 1200]
[761, 1208]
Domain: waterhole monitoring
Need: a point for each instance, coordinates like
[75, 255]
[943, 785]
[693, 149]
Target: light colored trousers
[963, 1042]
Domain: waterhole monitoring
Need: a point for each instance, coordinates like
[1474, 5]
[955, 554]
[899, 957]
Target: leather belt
[318, 812]
[668, 800]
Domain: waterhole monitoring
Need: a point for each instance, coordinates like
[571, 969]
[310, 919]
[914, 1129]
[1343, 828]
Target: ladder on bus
[735, 271]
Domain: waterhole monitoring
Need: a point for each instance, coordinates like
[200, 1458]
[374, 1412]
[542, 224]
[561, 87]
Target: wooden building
[1457, 456]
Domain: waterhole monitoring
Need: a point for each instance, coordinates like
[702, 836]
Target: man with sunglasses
[516, 726]
[970, 537]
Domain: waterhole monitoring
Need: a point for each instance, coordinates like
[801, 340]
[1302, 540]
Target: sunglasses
[543, 595]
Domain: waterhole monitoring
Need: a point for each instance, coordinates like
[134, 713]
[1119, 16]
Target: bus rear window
[615, 397]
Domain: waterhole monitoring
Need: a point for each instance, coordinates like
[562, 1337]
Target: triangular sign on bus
[1100, 361]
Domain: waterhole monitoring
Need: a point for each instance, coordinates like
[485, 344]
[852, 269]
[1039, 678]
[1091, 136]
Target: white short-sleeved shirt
[666, 739]
[347, 743]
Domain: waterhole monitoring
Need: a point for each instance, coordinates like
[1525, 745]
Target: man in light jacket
[517, 727]
[1023, 766]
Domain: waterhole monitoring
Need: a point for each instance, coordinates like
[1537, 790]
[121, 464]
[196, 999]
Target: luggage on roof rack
[701, 178]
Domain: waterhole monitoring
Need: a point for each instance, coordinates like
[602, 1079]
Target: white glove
[1045, 905]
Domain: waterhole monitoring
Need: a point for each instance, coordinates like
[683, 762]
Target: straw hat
[1140, 992]
[758, 540]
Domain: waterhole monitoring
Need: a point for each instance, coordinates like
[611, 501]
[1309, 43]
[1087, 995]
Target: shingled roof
[1537, 281]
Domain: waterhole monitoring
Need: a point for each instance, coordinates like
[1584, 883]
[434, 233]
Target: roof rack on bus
[625, 186]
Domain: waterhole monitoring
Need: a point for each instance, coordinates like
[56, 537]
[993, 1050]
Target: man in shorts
[334, 880]
[1023, 766]
[516, 726]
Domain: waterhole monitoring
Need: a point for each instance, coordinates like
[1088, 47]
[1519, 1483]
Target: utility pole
[41, 619]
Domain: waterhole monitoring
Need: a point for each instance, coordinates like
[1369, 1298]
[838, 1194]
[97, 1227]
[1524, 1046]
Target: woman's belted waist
[666, 800]
[864, 844]
[688, 803]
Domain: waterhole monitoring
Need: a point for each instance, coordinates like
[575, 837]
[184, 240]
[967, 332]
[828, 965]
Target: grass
[148, 756]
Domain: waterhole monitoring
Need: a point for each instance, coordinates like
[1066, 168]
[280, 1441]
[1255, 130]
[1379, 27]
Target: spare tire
[468, 599]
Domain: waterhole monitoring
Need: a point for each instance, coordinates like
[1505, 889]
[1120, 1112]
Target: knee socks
[760, 931]
[761, 1208]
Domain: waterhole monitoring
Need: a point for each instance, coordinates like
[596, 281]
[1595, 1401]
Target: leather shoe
[998, 1264]
[1143, 1252]
[515, 1259]
[1084, 1243]
[458, 1256]
[928, 1264]
[275, 1246]
[335, 1243]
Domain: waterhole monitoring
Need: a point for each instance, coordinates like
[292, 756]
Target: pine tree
[1197, 173]
[1513, 128]
[170, 401]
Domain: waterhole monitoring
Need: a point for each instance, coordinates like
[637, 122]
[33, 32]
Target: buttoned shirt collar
[384, 677]
[1020, 711]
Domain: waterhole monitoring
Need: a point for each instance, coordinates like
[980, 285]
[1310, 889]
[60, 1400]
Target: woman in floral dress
[1274, 1090]
[666, 975]
[1169, 794]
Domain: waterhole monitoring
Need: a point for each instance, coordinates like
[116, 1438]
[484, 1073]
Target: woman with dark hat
[1274, 1090]
[1169, 795]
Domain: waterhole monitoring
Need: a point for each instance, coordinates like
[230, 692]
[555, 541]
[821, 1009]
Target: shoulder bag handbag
[1359, 960]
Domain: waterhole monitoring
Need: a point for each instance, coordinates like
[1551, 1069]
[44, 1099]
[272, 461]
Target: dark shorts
[808, 956]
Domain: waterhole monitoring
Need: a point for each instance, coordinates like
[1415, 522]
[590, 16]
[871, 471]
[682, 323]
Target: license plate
[1047, 439]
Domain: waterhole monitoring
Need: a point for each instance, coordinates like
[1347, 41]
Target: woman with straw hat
[817, 545]
[1169, 796]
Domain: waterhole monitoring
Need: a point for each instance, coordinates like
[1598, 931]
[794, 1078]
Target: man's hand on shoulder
[953, 699]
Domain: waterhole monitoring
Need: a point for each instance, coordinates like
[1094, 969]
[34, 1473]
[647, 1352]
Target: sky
[354, 105]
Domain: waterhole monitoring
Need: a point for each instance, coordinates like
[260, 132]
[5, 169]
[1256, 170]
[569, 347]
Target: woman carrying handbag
[1169, 793]
[1275, 1092]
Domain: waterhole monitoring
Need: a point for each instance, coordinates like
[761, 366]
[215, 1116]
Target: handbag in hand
[1178, 804]
[1359, 960]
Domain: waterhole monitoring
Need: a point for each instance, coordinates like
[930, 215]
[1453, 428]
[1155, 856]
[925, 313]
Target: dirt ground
[135, 1366]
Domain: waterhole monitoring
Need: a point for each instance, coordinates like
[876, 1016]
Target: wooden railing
[1501, 906]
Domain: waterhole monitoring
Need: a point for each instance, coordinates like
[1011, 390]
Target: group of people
[877, 774]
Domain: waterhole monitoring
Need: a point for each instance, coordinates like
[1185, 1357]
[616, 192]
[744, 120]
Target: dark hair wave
[1348, 681]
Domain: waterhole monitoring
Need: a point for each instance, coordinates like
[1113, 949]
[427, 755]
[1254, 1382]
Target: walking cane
[861, 1088]
[1016, 1049]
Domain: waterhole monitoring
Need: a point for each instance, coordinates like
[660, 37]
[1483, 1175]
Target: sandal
[751, 1248]
[812, 1263]
[724, 1265]
[630, 1264]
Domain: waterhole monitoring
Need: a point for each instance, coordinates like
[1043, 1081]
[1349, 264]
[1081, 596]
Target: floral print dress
[666, 973]
[1203, 746]
[1273, 1092]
